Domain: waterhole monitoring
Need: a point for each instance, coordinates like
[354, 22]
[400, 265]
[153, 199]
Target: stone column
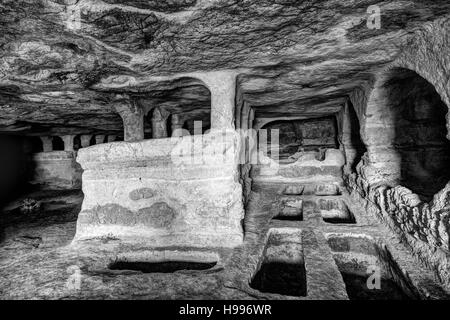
[85, 140]
[133, 118]
[346, 142]
[68, 142]
[111, 138]
[251, 118]
[245, 113]
[222, 85]
[159, 124]
[177, 125]
[245, 133]
[252, 147]
[240, 108]
[99, 139]
[47, 144]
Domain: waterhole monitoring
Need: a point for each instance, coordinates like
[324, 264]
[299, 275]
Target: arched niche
[302, 134]
[405, 132]
[178, 104]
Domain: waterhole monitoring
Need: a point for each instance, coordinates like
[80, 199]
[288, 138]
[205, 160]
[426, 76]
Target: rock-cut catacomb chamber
[192, 150]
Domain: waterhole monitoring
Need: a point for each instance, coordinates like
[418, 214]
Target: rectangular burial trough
[335, 211]
[163, 261]
[361, 260]
[282, 269]
[291, 208]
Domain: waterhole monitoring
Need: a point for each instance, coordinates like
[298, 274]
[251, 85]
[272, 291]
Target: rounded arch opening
[300, 135]
[413, 117]
[184, 104]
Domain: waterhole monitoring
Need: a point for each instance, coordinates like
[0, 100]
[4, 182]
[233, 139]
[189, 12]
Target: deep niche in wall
[308, 134]
[420, 132]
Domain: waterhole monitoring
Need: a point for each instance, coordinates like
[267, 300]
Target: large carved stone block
[56, 170]
[180, 191]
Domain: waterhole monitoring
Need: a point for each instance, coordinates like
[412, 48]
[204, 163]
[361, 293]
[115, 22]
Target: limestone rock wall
[153, 192]
[423, 226]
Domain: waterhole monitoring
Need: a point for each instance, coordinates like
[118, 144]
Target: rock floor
[38, 260]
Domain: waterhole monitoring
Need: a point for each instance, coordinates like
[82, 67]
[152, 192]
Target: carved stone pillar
[99, 139]
[47, 144]
[159, 124]
[68, 142]
[253, 138]
[85, 140]
[133, 118]
[177, 125]
[223, 91]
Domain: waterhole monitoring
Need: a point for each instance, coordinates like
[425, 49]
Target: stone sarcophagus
[164, 192]
[56, 170]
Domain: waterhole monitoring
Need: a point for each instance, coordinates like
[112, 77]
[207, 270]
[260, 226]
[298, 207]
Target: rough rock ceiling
[293, 57]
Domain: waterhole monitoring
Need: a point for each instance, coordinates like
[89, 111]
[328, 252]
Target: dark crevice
[160, 267]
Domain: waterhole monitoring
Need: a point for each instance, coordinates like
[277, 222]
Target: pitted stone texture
[292, 57]
[425, 226]
[108, 214]
[158, 215]
[133, 117]
[142, 193]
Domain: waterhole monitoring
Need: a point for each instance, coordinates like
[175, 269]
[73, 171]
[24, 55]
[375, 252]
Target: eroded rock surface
[57, 71]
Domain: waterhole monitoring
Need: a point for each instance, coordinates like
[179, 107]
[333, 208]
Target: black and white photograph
[241, 152]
